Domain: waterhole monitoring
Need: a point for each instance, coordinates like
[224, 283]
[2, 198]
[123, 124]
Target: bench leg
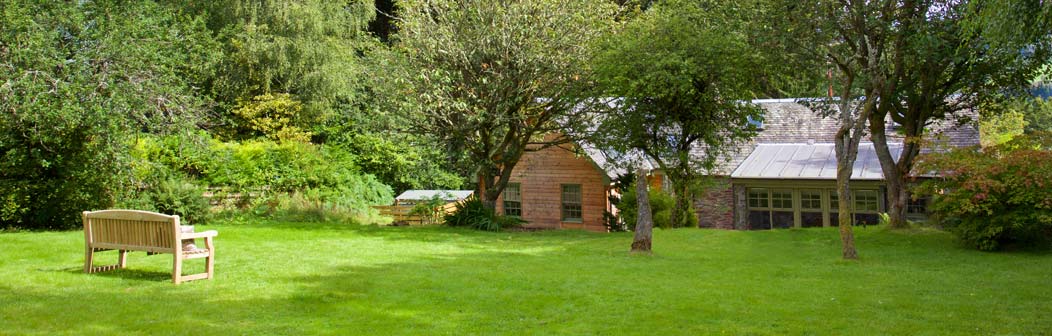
[122, 258]
[177, 268]
[210, 261]
[89, 255]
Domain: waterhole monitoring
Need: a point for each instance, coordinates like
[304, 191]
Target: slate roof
[605, 161]
[788, 122]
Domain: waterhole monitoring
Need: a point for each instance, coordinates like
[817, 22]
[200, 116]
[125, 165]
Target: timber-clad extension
[557, 188]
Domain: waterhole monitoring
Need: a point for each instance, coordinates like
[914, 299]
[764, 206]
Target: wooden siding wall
[541, 175]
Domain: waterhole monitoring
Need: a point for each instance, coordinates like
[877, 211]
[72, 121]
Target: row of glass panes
[810, 199]
[571, 201]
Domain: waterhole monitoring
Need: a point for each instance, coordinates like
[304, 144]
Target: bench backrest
[131, 229]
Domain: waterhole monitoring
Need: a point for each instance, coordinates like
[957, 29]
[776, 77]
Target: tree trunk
[895, 173]
[847, 138]
[493, 181]
[485, 190]
[843, 190]
[897, 195]
[644, 220]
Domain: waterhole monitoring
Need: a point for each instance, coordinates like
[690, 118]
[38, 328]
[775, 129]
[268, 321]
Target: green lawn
[291, 278]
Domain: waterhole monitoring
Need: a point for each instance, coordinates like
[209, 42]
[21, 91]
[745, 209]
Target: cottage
[784, 177]
[560, 187]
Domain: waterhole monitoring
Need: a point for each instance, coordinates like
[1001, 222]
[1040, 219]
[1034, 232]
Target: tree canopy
[683, 73]
[494, 79]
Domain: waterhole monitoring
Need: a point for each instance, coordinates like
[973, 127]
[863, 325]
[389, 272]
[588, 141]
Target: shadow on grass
[430, 233]
[466, 294]
[581, 283]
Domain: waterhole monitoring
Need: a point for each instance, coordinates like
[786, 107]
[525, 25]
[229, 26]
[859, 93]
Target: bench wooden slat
[154, 249]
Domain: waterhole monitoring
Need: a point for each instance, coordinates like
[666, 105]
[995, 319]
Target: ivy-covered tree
[494, 79]
[683, 73]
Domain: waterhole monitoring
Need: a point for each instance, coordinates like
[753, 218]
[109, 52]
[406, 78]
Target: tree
[494, 79]
[936, 68]
[1001, 128]
[79, 79]
[1037, 114]
[851, 36]
[306, 53]
[683, 72]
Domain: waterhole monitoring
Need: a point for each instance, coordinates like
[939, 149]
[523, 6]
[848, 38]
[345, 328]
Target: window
[867, 204]
[917, 206]
[810, 208]
[757, 198]
[770, 208]
[867, 201]
[513, 200]
[811, 199]
[571, 202]
[759, 211]
[782, 199]
[834, 208]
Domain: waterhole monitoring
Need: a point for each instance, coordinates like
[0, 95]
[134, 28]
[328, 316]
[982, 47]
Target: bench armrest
[194, 235]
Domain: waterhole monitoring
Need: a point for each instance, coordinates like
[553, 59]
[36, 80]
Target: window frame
[517, 187]
[566, 205]
[875, 201]
[808, 200]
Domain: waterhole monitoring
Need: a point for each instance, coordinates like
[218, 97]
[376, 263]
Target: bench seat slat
[128, 247]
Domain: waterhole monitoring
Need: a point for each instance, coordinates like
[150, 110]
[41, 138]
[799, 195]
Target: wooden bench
[133, 230]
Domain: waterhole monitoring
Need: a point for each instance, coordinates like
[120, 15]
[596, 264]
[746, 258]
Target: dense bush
[472, 213]
[995, 196]
[292, 180]
[173, 196]
[402, 163]
[73, 92]
[661, 204]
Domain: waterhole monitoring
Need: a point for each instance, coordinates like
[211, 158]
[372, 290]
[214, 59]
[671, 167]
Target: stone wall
[715, 206]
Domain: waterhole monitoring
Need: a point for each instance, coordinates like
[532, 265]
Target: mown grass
[292, 278]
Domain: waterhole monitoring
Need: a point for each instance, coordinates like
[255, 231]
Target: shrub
[292, 180]
[401, 163]
[613, 223]
[661, 204]
[170, 194]
[995, 196]
[183, 198]
[275, 116]
[430, 211]
[472, 213]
